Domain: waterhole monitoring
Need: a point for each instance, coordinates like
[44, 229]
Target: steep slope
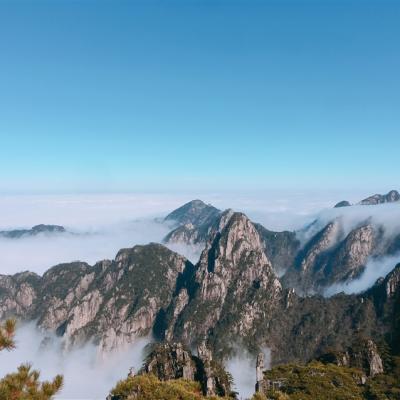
[191, 222]
[281, 248]
[233, 284]
[112, 303]
[196, 212]
[233, 296]
[331, 257]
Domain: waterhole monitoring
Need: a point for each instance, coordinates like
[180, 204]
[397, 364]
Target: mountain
[331, 257]
[280, 247]
[196, 212]
[343, 203]
[391, 197]
[112, 302]
[231, 298]
[191, 222]
[233, 284]
[35, 230]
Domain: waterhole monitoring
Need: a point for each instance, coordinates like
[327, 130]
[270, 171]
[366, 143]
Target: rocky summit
[391, 197]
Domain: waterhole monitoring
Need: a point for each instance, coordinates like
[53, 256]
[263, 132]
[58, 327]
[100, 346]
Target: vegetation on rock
[149, 387]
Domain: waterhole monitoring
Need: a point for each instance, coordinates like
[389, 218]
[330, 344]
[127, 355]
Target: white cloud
[87, 376]
[375, 269]
[243, 370]
[106, 223]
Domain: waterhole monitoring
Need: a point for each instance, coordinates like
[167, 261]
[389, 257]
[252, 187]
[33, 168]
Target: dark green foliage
[316, 381]
[148, 387]
[7, 332]
[329, 382]
[25, 385]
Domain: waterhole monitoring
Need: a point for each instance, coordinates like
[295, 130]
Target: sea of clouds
[100, 225]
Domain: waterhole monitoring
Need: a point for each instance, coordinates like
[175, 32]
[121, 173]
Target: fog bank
[87, 376]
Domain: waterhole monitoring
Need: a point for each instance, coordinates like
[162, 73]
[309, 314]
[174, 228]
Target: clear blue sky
[169, 95]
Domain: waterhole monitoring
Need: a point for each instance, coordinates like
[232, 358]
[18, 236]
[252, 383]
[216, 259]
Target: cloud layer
[87, 376]
[103, 224]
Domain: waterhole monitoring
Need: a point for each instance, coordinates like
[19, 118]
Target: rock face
[363, 354]
[112, 302]
[392, 282]
[172, 361]
[191, 222]
[195, 212]
[35, 230]
[330, 258]
[391, 197]
[281, 248]
[233, 279]
[260, 372]
[18, 294]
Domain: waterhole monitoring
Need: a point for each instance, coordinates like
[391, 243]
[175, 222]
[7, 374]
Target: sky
[125, 96]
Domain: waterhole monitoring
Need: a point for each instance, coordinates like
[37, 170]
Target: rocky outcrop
[281, 248]
[391, 197]
[35, 230]
[260, 373]
[195, 212]
[392, 282]
[170, 361]
[363, 354]
[233, 278]
[18, 294]
[330, 259]
[192, 223]
[112, 302]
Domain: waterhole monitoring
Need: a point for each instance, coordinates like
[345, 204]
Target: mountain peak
[343, 203]
[391, 197]
[195, 212]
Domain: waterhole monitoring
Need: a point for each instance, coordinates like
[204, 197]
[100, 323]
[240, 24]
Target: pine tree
[7, 332]
[23, 384]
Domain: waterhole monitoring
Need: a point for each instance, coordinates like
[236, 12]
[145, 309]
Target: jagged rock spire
[259, 372]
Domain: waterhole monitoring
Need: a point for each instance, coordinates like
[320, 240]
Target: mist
[376, 268]
[87, 375]
[383, 216]
[100, 225]
[242, 367]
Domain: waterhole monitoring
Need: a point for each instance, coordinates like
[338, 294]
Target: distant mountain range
[252, 287]
[392, 197]
[35, 230]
